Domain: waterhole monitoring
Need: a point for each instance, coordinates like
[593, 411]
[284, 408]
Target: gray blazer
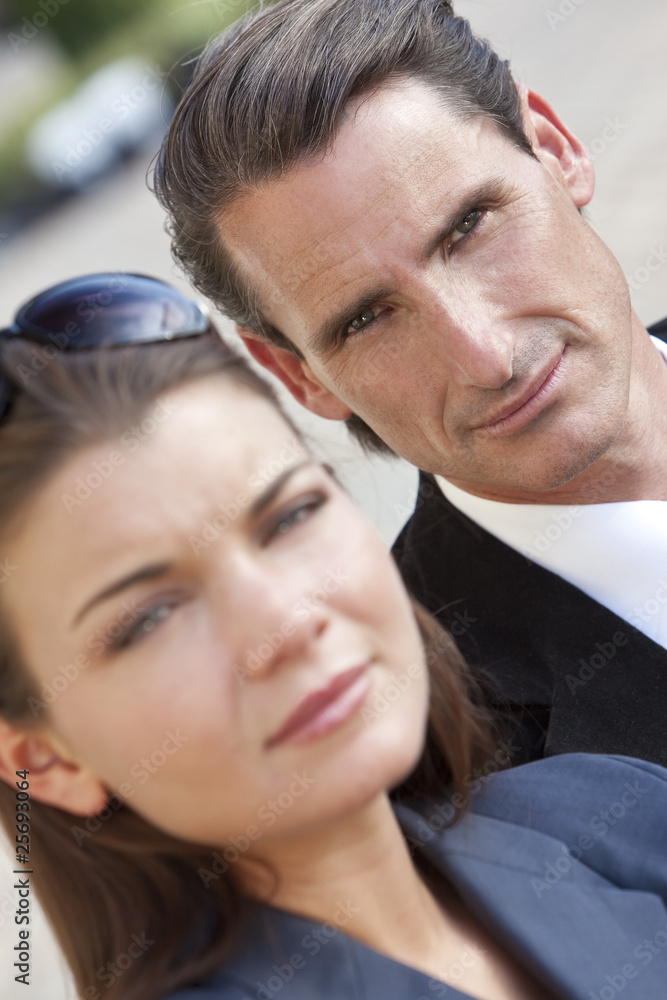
[563, 860]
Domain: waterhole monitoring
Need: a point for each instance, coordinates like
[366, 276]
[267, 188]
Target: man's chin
[537, 479]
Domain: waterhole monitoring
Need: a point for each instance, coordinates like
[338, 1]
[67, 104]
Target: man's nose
[477, 345]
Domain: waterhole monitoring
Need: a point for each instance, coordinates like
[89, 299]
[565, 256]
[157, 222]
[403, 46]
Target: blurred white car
[119, 110]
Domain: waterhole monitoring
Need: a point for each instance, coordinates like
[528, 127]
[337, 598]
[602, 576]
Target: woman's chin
[367, 777]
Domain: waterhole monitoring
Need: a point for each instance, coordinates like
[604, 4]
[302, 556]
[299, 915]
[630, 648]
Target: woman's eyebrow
[160, 569]
[138, 576]
[274, 488]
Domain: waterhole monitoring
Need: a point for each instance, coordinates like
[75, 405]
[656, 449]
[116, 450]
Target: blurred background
[86, 90]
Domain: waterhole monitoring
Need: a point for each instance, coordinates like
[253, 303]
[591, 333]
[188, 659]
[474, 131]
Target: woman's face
[218, 632]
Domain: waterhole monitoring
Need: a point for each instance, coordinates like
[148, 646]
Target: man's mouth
[534, 395]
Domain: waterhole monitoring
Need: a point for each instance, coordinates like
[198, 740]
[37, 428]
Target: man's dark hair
[275, 89]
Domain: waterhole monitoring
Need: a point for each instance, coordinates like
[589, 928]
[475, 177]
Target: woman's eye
[465, 226]
[361, 321]
[296, 515]
[146, 623]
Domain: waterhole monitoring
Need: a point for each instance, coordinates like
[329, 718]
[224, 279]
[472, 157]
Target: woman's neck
[358, 876]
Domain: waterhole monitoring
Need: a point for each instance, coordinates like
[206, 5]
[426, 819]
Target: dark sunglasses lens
[116, 308]
[5, 393]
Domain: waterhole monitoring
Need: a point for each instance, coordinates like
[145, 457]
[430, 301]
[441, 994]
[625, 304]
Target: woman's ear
[54, 777]
[564, 156]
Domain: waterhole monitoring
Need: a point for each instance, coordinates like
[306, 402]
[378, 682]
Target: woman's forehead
[197, 452]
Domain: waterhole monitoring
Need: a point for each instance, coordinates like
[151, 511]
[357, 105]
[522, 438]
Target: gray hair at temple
[274, 89]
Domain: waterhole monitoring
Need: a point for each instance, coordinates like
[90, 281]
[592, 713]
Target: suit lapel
[578, 934]
[659, 330]
[543, 642]
[289, 955]
[574, 930]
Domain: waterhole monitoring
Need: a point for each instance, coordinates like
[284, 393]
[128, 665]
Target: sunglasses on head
[113, 309]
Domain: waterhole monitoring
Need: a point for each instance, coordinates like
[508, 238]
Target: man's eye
[465, 226]
[362, 320]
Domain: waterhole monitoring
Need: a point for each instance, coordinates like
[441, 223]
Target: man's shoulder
[444, 556]
[433, 517]
[659, 329]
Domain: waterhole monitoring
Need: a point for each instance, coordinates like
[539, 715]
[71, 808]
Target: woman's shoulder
[609, 812]
[556, 793]
[579, 782]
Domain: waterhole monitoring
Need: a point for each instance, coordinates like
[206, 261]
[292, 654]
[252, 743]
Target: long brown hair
[114, 882]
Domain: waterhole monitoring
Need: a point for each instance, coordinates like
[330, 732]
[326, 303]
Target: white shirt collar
[615, 552]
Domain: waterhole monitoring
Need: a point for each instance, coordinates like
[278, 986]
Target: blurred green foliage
[169, 34]
[76, 24]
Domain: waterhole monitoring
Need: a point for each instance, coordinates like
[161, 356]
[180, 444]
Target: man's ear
[564, 156]
[54, 778]
[296, 375]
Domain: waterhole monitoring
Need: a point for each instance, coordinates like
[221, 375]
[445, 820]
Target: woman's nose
[285, 644]
[273, 618]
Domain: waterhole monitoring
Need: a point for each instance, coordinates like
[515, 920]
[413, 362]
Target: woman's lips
[318, 713]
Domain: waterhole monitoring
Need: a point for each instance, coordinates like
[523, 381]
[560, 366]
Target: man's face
[441, 284]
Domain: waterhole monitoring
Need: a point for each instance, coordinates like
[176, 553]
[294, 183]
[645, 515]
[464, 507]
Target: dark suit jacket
[569, 673]
[563, 860]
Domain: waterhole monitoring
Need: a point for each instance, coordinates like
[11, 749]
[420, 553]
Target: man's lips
[324, 710]
[533, 396]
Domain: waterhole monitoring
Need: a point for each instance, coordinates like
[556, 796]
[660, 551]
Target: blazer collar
[569, 926]
[518, 636]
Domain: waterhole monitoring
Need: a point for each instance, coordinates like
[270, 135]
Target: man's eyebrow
[329, 336]
[484, 195]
